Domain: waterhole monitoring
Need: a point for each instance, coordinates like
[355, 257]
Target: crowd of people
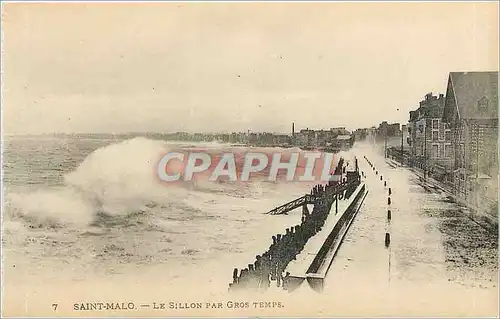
[271, 265]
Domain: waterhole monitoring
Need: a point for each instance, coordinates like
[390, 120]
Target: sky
[222, 67]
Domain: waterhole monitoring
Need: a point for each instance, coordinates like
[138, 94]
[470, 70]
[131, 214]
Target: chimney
[441, 95]
[293, 129]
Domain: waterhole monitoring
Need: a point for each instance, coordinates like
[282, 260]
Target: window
[435, 135]
[447, 135]
[435, 151]
[421, 128]
[483, 103]
[435, 124]
[447, 151]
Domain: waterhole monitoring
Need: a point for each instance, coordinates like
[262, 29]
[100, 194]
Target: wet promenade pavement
[435, 251]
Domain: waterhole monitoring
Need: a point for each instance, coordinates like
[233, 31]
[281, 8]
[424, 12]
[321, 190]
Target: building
[386, 130]
[281, 139]
[360, 134]
[309, 136]
[394, 129]
[404, 129]
[323, 137]
[335, 131]
[303, 137]
[343, 142]
[471, 110]
[430, 138]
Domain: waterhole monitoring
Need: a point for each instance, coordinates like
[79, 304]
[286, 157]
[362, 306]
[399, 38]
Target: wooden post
[235, 276]
[336, 204]
[387, 239]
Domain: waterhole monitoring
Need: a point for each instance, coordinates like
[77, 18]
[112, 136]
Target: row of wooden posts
[389, 214]
[270, 265]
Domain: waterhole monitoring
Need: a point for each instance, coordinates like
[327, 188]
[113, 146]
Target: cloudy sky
[168, 67]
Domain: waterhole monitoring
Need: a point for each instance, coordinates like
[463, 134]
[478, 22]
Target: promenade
[483, 218]
[437, 254]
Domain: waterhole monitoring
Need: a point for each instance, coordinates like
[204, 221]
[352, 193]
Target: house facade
[386, 130]
[430, 138]
[471, 110]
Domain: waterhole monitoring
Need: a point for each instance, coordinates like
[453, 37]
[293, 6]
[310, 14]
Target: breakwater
[269, 268]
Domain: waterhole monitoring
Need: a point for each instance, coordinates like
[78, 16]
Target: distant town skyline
[297, 130]
[233, 67]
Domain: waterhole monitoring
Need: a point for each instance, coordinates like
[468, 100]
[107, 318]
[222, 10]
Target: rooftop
[475, 93]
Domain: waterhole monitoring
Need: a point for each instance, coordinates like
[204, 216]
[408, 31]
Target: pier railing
[283, 209]
[330, 193]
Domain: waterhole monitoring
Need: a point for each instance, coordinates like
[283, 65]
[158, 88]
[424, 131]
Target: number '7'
[54, 305]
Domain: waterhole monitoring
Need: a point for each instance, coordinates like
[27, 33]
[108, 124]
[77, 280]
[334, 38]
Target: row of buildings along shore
[453, 138]
[333, 139]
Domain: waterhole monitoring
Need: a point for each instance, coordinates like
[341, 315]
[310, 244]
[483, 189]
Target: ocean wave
[113, 183]
[114, 180]
[48, 208]
[116, 185]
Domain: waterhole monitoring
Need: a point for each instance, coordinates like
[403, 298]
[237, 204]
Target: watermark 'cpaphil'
[291, 166]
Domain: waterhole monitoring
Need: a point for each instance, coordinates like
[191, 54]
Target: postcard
[249, 159]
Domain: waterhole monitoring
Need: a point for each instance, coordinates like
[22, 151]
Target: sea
[86, 216]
